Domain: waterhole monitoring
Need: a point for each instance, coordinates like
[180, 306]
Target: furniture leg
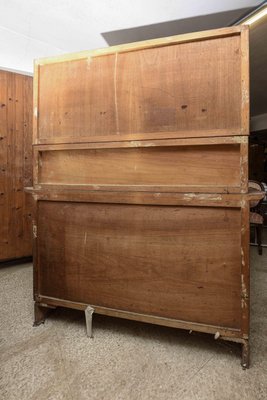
[88, 318]
[40, 313]
[259, 238]
[245, 355]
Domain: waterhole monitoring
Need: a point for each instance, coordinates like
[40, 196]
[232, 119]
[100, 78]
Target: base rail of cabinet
[6, 262]
[44, 304]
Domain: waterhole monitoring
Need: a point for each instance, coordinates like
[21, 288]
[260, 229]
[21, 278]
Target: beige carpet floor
[125, 359]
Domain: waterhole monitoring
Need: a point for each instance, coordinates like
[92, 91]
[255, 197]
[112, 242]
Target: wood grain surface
[177, 88]
[141, 182]
[176, 262]
[180, 167]
[15, 165]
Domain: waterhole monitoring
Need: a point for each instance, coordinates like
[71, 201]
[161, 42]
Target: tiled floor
[124, 360]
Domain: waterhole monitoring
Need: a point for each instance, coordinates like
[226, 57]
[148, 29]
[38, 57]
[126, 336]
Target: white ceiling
[31, 29]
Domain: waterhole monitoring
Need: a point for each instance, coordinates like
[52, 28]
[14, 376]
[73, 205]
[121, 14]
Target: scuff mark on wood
[193, 196]
[244, 292]
[34, 231]
[85, 238]
[242, 260]
[239, 139]
[243, 203]
[135, 143]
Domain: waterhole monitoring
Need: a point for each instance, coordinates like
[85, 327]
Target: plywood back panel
[15, 165]
[185, 89]
[170, 261]
[176, 167]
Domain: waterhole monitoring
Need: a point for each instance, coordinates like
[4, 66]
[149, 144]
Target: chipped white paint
[136, 143]
[242, 278]
[242, 258]
[244, 293]
[148, 144]
[189, 196]
[217, 335]
[243, 303]
[240, 139]
[193, 196]
[34, 231]
[243, 203]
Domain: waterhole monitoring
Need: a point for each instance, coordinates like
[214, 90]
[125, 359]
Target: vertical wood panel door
[15, 165]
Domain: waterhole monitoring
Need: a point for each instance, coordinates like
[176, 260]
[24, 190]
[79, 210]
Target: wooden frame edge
[36, 280]
[163, 321]
[190, 191]
[244, 166]
[245, 270]
[245, 80]
[141, 198]
[134, 197]
[140, 137]
[35, 102]
[187, 141]
[123, 48]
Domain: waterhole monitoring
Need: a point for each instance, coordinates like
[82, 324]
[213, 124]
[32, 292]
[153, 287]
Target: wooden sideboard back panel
[213, 167]
[141, 182]
[171, 261]
[181, 89]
